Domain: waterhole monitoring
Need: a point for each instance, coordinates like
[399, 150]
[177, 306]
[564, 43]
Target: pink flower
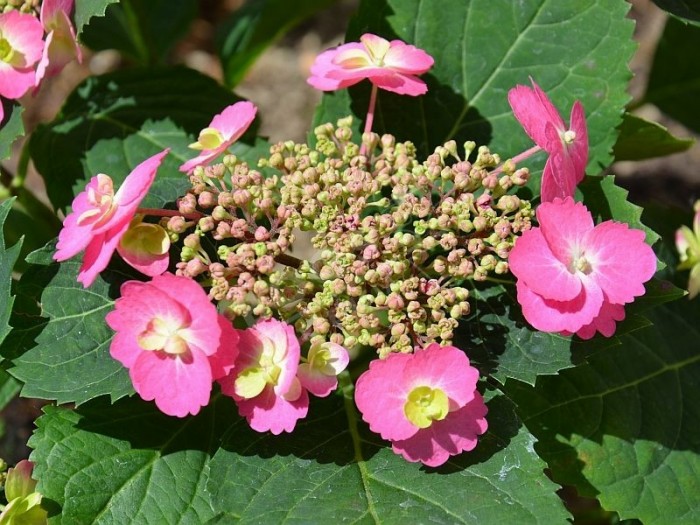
[21, 45]
[145, 246]
[323, 364]
[100, 218]
[224, 129]
[573, 276]
[264, 384]
[388, 65]
[61, 44]
[425, 403]
[567, 147]
[173, 342]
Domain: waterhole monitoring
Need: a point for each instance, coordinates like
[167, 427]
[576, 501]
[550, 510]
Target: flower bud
[206, 224]
[177, 224]
[187, 204]
[207, 199]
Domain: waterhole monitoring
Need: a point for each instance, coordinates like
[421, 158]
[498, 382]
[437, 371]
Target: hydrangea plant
[475, 322]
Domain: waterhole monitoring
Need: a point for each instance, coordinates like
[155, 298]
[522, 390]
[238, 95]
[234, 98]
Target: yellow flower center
[209, 138]
[582, 265]
[377, 48]
[162, 334]
[320, 358]
[6, 50]
[252, 380]
[102, 202]
[425, 405]
[569, 136]
[144, 237]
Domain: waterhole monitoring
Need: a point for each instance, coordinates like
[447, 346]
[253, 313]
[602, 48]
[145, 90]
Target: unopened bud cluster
[23, 6]
[397, 239]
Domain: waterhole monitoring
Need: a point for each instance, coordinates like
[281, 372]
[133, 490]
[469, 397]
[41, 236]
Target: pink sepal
[455, 434]
[270, 412]
[232, 122]
[605, 322]
[179, 385]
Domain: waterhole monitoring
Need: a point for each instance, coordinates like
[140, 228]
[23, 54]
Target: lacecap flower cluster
[397, 241]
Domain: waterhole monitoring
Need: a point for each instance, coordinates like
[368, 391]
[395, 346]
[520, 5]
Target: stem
[38, 210]
[22, 165]
[346, 386]
[169, 213]
[635, 104]
[518, 158]
[526, 154]
[370, 118]
[288, 260]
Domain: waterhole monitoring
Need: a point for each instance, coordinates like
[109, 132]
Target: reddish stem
[288, 260]
[518, 158]
[370, 117]
[169, 213]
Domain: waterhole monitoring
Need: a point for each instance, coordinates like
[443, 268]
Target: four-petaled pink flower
[567, 147]
[61, 44]
[264, 382]
[100, 217]
[224, 129]
[173, 341]
[574, 276]
[388, 65]
[21, 45]
[425, 403]
[318, 374]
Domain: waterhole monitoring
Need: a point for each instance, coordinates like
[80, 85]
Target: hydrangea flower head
[224, 129]
[688, 246]
[145, 246]
[391, 65]
[323, 364]
[21, 46]
[264, 383]
[425, 403]
[61, 44]
[567, 146]
[574, 276]
[23, 502]
[173, 341]
[101, 216]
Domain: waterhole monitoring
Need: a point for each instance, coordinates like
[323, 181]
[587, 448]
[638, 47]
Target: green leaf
[643, 139]
[674, 80]
[62, 352]
[254, 27]
[144, 30]
[32, 238]
[624, 427]
[127, 463]
[686, 10]
[9, 387]
[8, 258]
[483, 48]
[606, 201]
[11, 128]
[86, 9]
[501, 344]
[129, 116]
